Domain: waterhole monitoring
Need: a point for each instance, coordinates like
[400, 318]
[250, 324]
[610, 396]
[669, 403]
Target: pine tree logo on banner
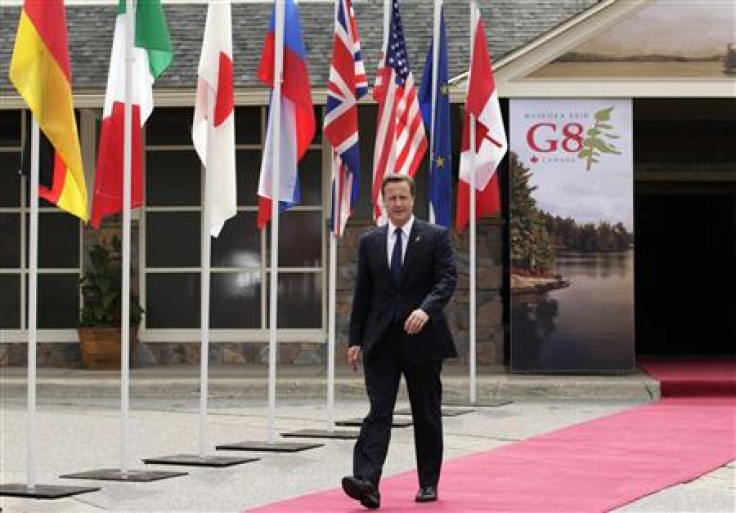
[594, 143]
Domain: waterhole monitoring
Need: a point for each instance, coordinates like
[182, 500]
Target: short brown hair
[397, 178]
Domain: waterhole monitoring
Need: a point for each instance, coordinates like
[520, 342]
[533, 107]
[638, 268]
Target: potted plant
[99, 320]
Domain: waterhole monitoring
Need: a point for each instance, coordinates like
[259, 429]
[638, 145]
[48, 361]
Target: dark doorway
[685, 278]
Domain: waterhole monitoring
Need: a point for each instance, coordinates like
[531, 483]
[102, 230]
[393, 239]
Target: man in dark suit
[406, 276]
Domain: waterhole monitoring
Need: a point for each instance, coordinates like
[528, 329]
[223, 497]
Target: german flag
[41, 73]
[49, 161]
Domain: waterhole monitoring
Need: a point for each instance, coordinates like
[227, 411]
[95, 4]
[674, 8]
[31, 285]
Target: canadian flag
[490, 137]
[213, 130]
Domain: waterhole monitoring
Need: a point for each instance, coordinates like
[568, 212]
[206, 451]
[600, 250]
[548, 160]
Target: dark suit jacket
[428, 278]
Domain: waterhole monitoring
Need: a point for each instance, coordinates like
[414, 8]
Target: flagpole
[32, 308]
[472, 302]
[332, 307]
[206, 250]
[332, 340]
[332, 275]
[386, 23]
[435, 78]
[382, 219]
[125, 294]
[275, 197]
[31, 489]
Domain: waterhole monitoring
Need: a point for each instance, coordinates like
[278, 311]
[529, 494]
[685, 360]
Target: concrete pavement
[78, 430]
[250, 382]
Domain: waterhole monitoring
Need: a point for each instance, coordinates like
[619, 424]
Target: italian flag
[153, 54]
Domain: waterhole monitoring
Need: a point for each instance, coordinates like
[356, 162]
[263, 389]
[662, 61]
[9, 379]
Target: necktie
[396, 257]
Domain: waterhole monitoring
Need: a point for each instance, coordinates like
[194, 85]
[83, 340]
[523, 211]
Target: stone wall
[68, 355]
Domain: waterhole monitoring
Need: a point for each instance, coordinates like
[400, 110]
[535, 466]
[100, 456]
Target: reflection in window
[58, 301]
[9, 241]
[236, 300]
[173, 178]
[248, 125]
[10, 301]
[58, 240]
[58, 244]
[239, 243]
[238, 270]
[172, 239]
[300, 240]
[310, 178]
[172, 300]
[248, 168]
[10, 179]
[170, 126]
[300, 300]
[10, 125]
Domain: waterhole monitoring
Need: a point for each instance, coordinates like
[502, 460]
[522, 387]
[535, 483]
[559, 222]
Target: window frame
[311, 335]
[20, 334]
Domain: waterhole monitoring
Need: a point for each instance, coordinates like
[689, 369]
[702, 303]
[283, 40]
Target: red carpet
[680, 378]
[594, 466]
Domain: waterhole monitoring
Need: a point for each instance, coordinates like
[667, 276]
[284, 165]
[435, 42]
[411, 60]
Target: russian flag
[297, 124]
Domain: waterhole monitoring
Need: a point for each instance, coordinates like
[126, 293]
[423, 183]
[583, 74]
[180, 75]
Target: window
[240, 255]
[59, 241]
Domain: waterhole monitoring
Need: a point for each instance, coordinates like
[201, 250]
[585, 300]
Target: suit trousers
[383, 370]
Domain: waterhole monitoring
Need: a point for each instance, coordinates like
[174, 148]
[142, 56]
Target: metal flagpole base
[479, 404]
[195, 460]
[338, 434]
[132, 476]
[269, 447]
[42, 491]
[357, 422]
[446, 412]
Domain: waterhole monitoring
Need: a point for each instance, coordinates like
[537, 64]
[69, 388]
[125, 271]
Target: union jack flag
[400, 139]
[346, 85]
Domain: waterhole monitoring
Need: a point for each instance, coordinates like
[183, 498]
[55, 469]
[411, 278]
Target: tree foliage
[595, 142]
[531, 248]
[535, 234]
[587, 237]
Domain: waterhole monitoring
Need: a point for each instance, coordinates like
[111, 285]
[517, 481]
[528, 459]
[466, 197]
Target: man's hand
[416, 321]
[353, 354]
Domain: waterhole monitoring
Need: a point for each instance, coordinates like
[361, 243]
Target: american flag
[400, 139]
[346, 85]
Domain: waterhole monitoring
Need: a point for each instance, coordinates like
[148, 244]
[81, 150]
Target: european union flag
[440, 173]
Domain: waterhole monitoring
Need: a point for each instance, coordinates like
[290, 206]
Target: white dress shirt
[405, 232]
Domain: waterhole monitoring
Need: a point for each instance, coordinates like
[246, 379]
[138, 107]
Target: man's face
[399, 202]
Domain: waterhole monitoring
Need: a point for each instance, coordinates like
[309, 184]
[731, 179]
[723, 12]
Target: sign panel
[571, 229]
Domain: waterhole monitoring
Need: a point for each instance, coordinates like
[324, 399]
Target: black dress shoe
[361, 490]
[426, 494]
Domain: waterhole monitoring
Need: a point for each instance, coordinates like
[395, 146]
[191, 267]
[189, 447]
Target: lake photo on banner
[571, 235]
[586, 324]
